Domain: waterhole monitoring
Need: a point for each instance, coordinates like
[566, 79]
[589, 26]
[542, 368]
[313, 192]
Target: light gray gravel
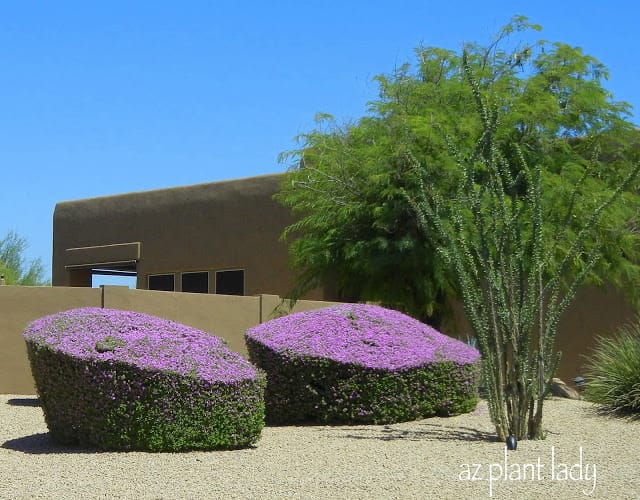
[431, 458]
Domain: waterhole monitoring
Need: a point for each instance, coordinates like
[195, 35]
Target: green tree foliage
[13, 266]
[356, 230]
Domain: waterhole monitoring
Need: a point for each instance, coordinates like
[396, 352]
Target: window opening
[163, 282]
[230, 282]
[196, 282]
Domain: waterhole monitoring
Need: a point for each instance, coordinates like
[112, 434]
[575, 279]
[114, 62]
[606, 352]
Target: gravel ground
[585, 455]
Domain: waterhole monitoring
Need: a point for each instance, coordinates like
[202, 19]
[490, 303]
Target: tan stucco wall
[19, 306]
[225, 316]
[594, 312]
[205, 227]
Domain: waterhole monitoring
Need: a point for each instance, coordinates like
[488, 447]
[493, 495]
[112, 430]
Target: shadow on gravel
[24, 402]
[432, 432]
[42, 444]
[610, 414]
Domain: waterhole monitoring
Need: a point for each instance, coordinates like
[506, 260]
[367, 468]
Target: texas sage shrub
[360, 364]
[125, 380]
[613, 371]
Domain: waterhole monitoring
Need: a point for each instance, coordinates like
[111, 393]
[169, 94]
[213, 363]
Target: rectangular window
[230, 282]
[164, 282]
[195, 282]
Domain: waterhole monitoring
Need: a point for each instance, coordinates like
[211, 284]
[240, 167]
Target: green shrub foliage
[613, 372]
[127, 381]
[361, 364]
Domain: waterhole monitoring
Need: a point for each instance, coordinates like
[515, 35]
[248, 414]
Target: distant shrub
[360, 364]
[130, 381]
[613, 371]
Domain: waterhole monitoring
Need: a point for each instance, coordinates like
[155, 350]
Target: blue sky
[101, 98]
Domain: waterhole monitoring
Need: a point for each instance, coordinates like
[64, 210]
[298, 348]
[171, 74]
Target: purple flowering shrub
[361, 364]
[129, 381]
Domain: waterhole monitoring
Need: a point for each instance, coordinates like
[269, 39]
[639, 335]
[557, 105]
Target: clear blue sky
[101, 98]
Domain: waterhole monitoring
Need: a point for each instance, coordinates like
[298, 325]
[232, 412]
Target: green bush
[613, 371]
[121, 380]
[361, 364]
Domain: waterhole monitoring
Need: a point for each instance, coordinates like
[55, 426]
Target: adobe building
[220, 237]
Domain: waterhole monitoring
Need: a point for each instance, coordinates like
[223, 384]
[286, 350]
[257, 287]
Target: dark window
[165, 282]
[195, 282]
[230, 282]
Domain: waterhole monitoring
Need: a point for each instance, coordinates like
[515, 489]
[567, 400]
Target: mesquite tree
[354, 230]
[513, 280]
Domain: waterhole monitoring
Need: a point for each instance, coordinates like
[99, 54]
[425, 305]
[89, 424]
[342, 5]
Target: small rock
[562, 390]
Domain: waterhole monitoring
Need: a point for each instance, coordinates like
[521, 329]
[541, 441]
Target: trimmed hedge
[361, 364]
[128, 381]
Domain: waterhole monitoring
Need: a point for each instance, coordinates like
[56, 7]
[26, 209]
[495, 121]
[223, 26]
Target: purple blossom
[96, 334]
[365, 335]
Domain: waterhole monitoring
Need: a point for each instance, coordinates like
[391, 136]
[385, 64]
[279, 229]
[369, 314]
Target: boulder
[562, 390]
[125, 380]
